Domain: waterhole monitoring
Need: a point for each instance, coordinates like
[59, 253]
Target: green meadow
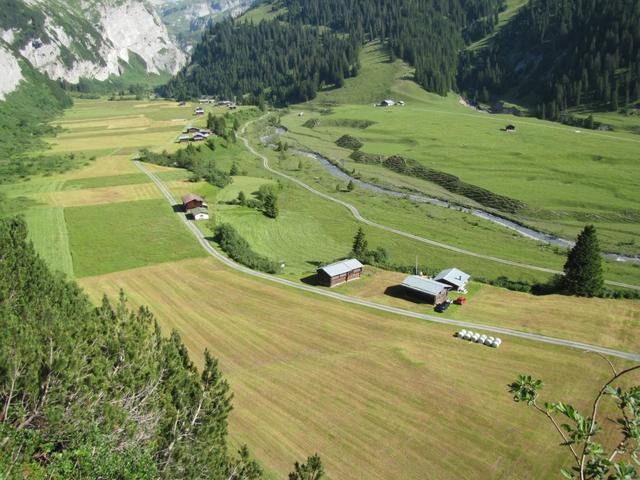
[568, 177]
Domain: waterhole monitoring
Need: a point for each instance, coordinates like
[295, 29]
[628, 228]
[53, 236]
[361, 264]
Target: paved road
[384, 308]
[354, 211]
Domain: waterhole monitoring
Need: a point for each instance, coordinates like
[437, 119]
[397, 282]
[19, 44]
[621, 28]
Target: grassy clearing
[567, 179]
[119, 236]
[48, 232]
[376, 396]
[594, 320]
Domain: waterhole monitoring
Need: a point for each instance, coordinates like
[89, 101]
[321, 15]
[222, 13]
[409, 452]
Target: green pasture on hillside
[120, 236]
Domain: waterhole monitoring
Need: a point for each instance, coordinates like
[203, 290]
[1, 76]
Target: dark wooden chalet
[191, 201]
[340, 272]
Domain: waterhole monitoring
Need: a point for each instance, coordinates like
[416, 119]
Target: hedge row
[239, 250]
[453, 184]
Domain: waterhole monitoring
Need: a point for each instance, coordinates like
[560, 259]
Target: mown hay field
[376, 396]
[596, 321]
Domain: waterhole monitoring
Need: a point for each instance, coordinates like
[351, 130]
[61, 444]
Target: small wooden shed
[191, 201]
[426, 289]
[340, 272]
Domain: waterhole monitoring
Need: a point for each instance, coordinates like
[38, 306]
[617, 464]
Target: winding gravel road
[365, 303]
[354, 211]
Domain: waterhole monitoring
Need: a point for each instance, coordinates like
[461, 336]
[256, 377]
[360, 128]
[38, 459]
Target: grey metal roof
[193, 211]
[424, 285]
[455, 276]
[341, 267]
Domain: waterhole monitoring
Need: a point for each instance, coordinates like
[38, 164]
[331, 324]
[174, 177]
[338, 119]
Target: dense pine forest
[271, 61]
[90, 392]
[428, 33]
[560, 54]
[288, 59]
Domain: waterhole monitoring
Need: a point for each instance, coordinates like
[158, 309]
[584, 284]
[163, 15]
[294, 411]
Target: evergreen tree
[360, 244]
[583, 270]
[350, 186]
[242, 198]
[312, 470]
[234, 169]
[270, 205]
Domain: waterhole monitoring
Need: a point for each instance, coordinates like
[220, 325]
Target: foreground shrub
[347, 141]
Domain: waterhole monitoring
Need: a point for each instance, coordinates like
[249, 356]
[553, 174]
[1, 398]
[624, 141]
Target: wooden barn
[456, 279]
[426, 289]
[191, 201]
[340, 272]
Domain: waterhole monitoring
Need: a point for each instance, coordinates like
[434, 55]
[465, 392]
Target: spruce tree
[350, 186]
[270, 205]
[360, 244]
[583, 269]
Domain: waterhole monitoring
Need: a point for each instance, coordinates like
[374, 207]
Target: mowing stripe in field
[358, 301]
[48, 232]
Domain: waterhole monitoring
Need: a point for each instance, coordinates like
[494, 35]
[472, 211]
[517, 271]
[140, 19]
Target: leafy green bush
[368, 158]
[347, 141]
[239, 250]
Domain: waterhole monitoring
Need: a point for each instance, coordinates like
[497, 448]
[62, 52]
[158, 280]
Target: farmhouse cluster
[195, 206]
[430, 290]
[194, 134]
[390, 103]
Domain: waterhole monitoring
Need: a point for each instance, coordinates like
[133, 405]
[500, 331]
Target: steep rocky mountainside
[187, 19]
[73, 39]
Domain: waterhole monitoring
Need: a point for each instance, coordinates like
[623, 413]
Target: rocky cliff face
[11, 72]
[73, 39]
[186, 19]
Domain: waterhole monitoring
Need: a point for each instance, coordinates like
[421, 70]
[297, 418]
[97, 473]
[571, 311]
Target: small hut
[340, 272]
[426, 289]
[191, 201]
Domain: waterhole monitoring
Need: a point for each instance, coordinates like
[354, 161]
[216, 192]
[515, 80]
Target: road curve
[365, 303]
[358, 216]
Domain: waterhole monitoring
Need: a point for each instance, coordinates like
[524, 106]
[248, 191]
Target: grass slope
[377, 397]
[567, 178]
[112, 237]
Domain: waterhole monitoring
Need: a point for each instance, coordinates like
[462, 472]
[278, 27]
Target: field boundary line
[365, 303]
[358, 216]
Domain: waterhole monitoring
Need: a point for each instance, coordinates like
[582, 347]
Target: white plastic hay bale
[488, 341]
[461, 333]
[476, 338]
[483, 338]
[498, 340]
[495, 344]
[467, 336]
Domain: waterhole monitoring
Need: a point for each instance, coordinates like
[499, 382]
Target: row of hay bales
[477, 338]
